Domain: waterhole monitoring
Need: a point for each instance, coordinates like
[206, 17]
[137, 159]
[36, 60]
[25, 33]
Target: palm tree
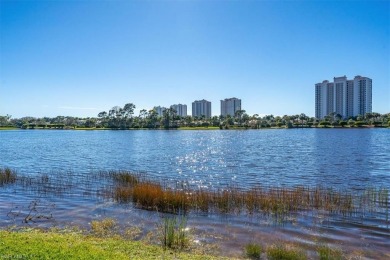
[302, 117]
[238, 115]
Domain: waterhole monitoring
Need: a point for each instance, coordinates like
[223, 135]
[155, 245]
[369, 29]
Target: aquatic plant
[7, 176]
[277, 202]
[282, 252]
[125, 177]
[328, 253]
[173, 234]
[253, 250]
[104, 228]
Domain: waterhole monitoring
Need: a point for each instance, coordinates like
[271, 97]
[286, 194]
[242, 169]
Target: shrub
[343, 123]
[360, 123]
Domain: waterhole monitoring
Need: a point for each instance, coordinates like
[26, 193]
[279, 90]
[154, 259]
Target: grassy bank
[8, 128]
[198, 128]
[57, 244]
[29, 243]
[178, 128]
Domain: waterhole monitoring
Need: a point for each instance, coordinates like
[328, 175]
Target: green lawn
[8, 128]
[199, 128]
[38, 244]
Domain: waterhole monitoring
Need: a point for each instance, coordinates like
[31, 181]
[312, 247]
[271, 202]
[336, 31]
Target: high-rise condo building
[200, 108]
[181, 110]
[160, 110]
[348, 98]
[230, 106]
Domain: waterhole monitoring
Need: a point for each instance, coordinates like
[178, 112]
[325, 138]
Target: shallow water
[343, 159]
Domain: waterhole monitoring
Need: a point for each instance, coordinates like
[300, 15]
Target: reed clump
[282, 252]
[253, 251]
[173, 233]
[125, 177]
[274, 201]
[327, 253]
[149, 195]
[7, 176]
[153, 196]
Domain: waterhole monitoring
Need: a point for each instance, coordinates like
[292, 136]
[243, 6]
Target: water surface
[342, 159]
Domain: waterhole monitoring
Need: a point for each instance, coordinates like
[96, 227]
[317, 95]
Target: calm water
[347, 159]
[338, 158]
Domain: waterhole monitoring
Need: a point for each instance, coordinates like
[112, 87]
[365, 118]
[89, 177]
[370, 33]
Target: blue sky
[78, 58]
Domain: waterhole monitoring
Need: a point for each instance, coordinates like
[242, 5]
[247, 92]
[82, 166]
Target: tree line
[124, 118]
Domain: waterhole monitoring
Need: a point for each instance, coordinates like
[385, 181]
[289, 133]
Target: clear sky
[78, 58]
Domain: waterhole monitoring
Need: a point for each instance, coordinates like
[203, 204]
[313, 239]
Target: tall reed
[173, 232]
[7, 176]
[274, 201]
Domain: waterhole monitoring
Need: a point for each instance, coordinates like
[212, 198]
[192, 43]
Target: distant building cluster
[202, 108]
[230, 106]
[159, 110]
[348, 98]
[181, 110]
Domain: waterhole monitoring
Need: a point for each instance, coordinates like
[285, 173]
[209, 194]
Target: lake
[342, 159]
[335, 157]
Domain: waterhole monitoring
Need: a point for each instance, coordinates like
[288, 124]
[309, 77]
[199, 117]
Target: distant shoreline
[191, 128]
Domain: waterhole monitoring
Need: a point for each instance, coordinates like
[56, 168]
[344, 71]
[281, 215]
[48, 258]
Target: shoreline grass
[187, 128]
[62, 244]
[277, 202]
[175, 198]
[282, 252]
[8, 128]
[74, 243]
[253, 250]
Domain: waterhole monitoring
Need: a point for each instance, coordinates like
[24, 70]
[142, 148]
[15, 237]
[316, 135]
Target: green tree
[143, 114]
[343, 123]
[238, 116]
[302, 117]
[351, 122]
[152, 119]
[128, 110]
